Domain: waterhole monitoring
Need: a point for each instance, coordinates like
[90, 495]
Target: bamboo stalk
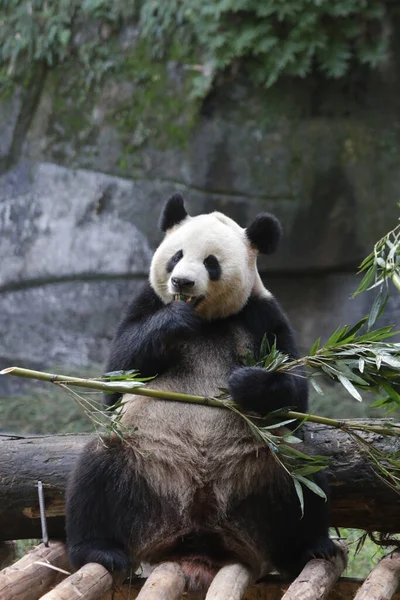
[134, 388]
[318, 577]
[33, 575]
[108, 386]
[230, 583]
[166, 582]
[91, 582]
[383, 581]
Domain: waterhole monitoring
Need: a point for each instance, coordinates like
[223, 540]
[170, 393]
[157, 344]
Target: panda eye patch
[174, 261]
[213, 267]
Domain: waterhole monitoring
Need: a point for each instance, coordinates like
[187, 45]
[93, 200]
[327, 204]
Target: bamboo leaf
[312, 486]
[380, 262]
[300, 495]
[391, 361]
[350, 334]
[315, 347]
[377, 308]
[349, 387]
[292, 439]
[276, 425]
[396, 280]
[336, 335]
[264, 348]
[344, 369]
[308, 469]
[366, 281]
[316, 386]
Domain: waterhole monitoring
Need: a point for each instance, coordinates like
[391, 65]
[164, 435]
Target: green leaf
[316, 386]
[276, 425]
[300, 495]
[308, 469]
[314, 347]
[391, 361]
[349, 387]
[264, 348]
[361, 364]
[336, 335]
[396, 280]
[351, 332]
[292, 439]
[366, 281]
[377, 308]
[344, 370]
[312, 486]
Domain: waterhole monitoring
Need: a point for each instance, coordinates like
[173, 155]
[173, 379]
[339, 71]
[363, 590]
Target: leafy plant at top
[271, 38]
[52, 31]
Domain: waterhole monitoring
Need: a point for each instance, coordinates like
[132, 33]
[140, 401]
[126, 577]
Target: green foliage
[52, 31]
[268, 39]
[272, 38]
[364, 554]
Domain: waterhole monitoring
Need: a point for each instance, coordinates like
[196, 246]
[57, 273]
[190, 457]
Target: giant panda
[190, 483]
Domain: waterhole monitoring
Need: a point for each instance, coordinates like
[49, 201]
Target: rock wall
[84, 173]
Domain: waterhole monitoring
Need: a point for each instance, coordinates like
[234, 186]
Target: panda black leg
[261, 391]
[98, 494]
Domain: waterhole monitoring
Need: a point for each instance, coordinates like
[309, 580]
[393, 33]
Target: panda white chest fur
[189, 483]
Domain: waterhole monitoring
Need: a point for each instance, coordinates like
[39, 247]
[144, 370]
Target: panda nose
[180, 283]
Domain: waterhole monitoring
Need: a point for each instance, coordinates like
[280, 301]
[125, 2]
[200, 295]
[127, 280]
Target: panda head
[210, 260]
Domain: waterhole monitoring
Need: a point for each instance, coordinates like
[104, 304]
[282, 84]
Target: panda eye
[173, 261]
[213, 267]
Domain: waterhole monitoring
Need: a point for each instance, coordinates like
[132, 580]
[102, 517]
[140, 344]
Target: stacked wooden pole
[35, 575]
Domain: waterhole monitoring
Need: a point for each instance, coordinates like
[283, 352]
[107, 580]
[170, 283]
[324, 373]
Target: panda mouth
[195, 300]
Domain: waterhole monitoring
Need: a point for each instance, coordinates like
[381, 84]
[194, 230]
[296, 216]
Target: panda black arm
[148, 334]
[254, 388]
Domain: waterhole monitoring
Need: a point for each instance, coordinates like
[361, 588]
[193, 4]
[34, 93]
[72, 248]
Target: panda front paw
[260, 391]
[182, 319]
[112, 558]
[248, 387]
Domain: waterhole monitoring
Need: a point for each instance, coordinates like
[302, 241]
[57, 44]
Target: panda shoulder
[264, 311]
[145, 303]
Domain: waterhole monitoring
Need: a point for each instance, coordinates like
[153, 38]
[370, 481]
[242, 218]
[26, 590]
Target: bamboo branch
[131, 387]
[318, 577]
[383, 581]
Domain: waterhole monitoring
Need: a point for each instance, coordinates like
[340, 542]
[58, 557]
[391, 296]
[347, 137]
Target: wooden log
[383, 581]
[32, 576]
[318, 577]
[360, 499]
[91, 582]
[230, 583]
[166, 582]
[272, 588]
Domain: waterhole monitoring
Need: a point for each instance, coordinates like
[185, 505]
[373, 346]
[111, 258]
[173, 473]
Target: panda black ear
[173, 212]
[265, 233]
